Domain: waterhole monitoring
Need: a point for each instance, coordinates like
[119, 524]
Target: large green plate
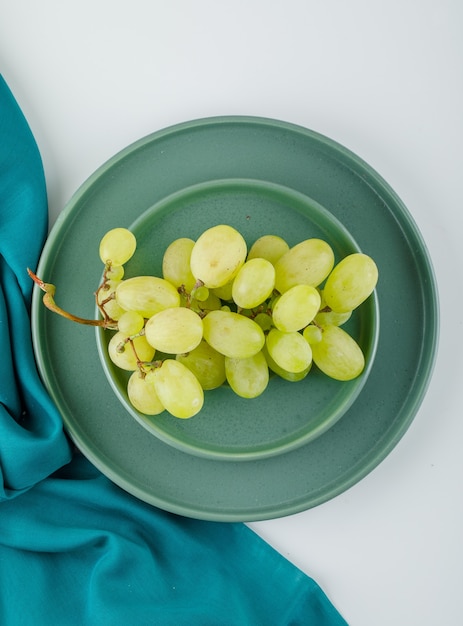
[276, 152]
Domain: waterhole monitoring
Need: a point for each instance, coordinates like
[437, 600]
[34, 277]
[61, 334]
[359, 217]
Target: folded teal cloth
[75, 549]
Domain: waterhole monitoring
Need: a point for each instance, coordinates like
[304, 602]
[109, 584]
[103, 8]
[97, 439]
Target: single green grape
[175, 330]
[312, 333]
[142, 394]
[176, 263]
[253, 283]
[296, 308]
[247, 377]
[128, 354]
[117, 246]
[282, 373]
[338, 355]
[307, 263]
[146, 294]
[333, 318]
[290, 351]
[351, 282]
[207, 365]
[264, 320]
[217, 255]
[232, 334]
[178, 389]
[201, 293]
[224, 292]
[115, 272]
[269, 247]
[130, 323]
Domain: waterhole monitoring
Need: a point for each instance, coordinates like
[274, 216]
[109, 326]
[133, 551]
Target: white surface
[382, 78]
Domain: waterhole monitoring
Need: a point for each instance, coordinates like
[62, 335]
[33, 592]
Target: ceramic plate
[229, 427]
[275, 153]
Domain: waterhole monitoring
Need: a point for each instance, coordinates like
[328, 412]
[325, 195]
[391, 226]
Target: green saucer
[230, 427]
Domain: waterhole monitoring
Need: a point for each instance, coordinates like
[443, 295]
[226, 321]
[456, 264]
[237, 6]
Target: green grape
[200, 293]
[312, 333]
[296, 308]
[211, 303]
[117, 246]
[282, 373]
[351, 282]
[232, 334]
[254, 283]
[269, 247]
[217, 255]
[178, 389]
[142, 394]
[323, 318]
[115, 272]
[147, 294]
[338, 355]
[175, 330]
[290, 351]
[264, 320]
[130, 323]
[247, 377]
[224, 292]
[307, 263]
[106, 298]
[176, 263]
[128, 354]
[207, 365]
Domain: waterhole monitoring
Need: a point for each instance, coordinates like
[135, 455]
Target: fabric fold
[75, 549]
[32, 441]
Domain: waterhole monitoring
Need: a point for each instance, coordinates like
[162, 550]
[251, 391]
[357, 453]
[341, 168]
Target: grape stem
[49, 301]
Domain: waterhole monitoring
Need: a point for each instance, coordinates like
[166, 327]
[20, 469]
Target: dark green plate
[277, 153]
[229, 427]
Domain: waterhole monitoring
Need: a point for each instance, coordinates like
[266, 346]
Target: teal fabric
[74, 548]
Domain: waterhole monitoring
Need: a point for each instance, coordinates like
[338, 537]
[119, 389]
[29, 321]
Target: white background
[382, 78]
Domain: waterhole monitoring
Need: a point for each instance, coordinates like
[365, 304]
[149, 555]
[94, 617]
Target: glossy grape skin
[338, 355]
[142, 394]
[254, 283]
[350, 283]
[307, 263]
[296, 308]
[128, 358]
[146, 294]
[224, 292]
[130, 323]
[176, 263]
[269, 247]
[312, 333]
[333, 318]
[247, 377]
[117, 246]
[207, 365]
[178, 389]
[282, 373]
[232, 334]
[174, 330]
[217, 255]
[290, 351]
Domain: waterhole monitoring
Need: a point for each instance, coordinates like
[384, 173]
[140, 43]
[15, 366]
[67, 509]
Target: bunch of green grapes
[223, 314]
